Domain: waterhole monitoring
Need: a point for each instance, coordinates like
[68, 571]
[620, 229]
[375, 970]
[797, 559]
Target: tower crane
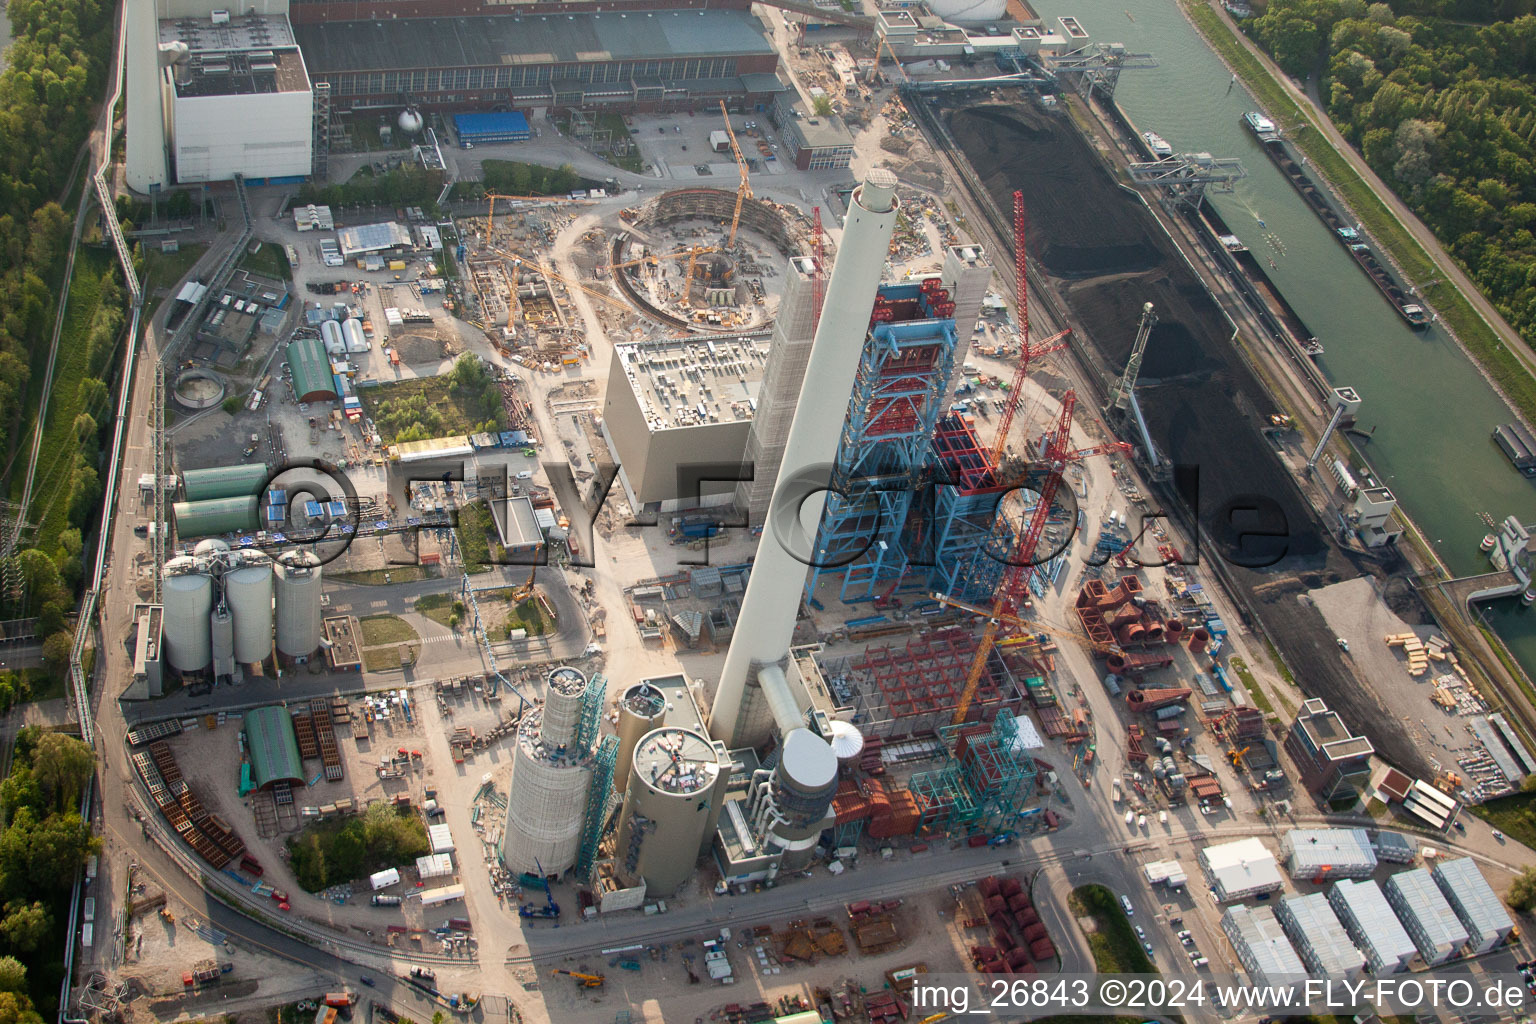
[1028, 353]
[744, 191]
[1011, 595]
[1027, 626]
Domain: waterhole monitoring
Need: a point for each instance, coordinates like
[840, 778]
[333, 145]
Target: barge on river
[1279, 151]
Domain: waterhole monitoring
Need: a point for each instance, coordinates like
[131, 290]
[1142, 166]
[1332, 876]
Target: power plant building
[639, 60]
[1321, 854]
[676, 418]
[239, 100]
[1261, 945]
[1371, 923]
[1427, 917]
[1320, 938]
[1478, 907]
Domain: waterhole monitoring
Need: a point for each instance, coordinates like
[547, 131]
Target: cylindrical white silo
[794, 512]
[562, 707]
[669, 803]
[642, 708]
[298, 604]
[546, 804]
[188, 601]
[352, 330]
[249, 593]
[221, 627]
[209, 546]
[330, 336]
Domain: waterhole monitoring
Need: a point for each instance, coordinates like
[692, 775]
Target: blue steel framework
[983, 784]
[885, 450]
[968, 542]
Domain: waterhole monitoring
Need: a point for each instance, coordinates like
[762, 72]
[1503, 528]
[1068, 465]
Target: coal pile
[1107, 256]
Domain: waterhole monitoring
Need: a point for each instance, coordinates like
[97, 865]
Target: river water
[1432, 410]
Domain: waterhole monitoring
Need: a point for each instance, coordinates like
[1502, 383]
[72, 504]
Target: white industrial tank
[249, 593]
[330, 336]
[188, 601]
[410, 121]
[221, 627]
[298, 604]
[352, 330]
[210, 546]
[847, 741]
[968, 12]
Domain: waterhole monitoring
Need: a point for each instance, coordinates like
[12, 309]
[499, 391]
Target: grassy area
[1116, 950]
[332, 852]
[57, 457]
[1506, 370]
[165, 270]
[1377, 810]
[530, 615]
[387, 629]
[269, 261]
[1515, 816]
[40, 684]
[1251, 684]
[428, 400]
[445, 609]
[387, 659]
[478, 542]
[395, 574]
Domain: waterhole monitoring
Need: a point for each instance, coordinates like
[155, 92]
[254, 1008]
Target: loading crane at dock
[743, 191]
[1122, 394]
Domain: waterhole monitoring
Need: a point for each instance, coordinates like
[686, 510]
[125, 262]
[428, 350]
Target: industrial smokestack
[146, 162]
[767, 621]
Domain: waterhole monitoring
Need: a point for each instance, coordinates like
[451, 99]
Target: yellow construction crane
[885, 43]
[744, 192]
[1027, 625]
[511, 280]
[693, 255]
[555, 275]
[584, 980]
[525, 591]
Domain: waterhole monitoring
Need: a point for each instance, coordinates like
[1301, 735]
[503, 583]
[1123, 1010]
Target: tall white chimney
[145, 163]
[766, 625]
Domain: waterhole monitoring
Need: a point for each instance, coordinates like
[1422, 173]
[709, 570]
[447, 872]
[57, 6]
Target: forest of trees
[1441, 101]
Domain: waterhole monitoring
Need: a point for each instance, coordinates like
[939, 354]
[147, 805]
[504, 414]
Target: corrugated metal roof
[273, 746]
[1342, 849]
[1379, 927]
[1422, 899]
[214, 516]
[1320, 938]
[224, 481]
[1464, 885]
[409, 43]
[1269, 953]
[312, 380]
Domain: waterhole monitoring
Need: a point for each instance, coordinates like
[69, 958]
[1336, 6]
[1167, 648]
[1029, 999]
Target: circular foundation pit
[198, 389]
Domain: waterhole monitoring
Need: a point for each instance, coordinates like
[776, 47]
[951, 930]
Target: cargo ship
[1279, 151]
[1280, 319]
[1157, 145]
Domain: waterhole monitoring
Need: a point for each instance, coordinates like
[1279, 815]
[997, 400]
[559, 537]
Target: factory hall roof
[312, 381]
[273, 746]
[546, 39]
[690, 382]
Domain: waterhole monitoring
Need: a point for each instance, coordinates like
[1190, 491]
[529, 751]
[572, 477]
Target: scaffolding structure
[916, 687]
[592, 699]
[600, 801]
[964, 539]
[983, 784]
[885, 449]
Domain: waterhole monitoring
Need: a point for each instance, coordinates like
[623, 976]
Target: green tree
[822, 105]
[19, 789]
[62, 765]
[41, 576]
[1522, 892]
[25, 925]
[56, 651]
[84, 494]
[16, 1008]
[13, 975]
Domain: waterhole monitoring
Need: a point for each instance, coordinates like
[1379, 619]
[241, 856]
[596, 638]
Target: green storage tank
[218, 515]
[223, 481]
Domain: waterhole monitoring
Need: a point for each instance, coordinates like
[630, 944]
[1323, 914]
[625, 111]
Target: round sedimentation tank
[547, 801]
[298, 604]
[562, 707]
[804, 784]
[188, 600]
[221, 631]
[672, 780]
[249, 593]
[641, 709]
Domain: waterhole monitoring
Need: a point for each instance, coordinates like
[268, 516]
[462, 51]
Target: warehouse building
[311, 368]
[1370, 922]
[1428, 918]
[1240, 869]
[626, 61]
[1478, 907]
[239, 101]
[1322, 854]
[1392, 848]
[1261, 945]
[485, 129]
[215, 516]
[1333, 762]
[366, 239]
[223, 481]
[273, 747]
[676, 418]
[812, 142]
[1320, 938]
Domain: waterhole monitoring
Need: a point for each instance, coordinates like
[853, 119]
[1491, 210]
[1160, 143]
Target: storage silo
[298, 604]
[674, 793]
[249, 593]
[551, 776]
[642, 708]
[221, 628]
[188, 600]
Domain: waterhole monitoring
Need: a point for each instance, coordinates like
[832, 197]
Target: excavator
[582, 980]
[525, 591]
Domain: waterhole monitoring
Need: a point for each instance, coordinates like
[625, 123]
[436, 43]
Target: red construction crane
[1015, 589]
[818, 278]
[1027, 353]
